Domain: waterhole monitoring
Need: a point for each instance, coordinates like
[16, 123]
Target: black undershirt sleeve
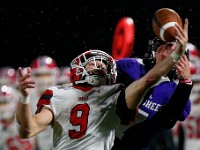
[125, 114]
[172, 112]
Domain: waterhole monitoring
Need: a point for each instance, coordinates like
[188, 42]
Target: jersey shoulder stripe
[44, 99]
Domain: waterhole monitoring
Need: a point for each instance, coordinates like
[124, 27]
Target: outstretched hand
[182, 37]
[25, 83]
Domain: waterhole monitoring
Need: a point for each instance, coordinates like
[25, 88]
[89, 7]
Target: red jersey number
[79, 117]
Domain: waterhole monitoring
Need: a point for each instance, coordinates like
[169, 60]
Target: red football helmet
[8, 101]
[64, 75]
[80, 75]
[44, 72]
[194, 58]
[7, 76]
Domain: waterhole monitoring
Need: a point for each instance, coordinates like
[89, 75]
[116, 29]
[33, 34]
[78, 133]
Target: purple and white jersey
[84, 118]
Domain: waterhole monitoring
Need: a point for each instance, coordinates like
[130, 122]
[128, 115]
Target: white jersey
[83, 119]
[43, 139]
[10, 139]
[192, 129]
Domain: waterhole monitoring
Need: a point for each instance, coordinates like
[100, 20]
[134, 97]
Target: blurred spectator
[64, 78]
[194, 56]
[8, 76]
[187, 133]
[9, 135]
[45, 73]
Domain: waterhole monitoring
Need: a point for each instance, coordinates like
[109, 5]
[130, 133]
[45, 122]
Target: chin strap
[94, 80]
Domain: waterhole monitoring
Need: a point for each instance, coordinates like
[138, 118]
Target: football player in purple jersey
[164, 104]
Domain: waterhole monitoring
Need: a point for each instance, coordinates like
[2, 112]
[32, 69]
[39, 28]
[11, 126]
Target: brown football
[163, 23]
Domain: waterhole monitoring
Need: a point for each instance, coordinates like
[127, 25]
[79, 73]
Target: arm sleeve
[126, 115]
[178, 107]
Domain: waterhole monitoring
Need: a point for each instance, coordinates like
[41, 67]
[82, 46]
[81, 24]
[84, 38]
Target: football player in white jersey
[8, 76]
[83, 116]
[187, 133]
[64, 76]
[45, 73]
[9, 135]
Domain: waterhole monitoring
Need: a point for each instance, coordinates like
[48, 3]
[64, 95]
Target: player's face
[43, 81]
[165, 50]
[96, 67]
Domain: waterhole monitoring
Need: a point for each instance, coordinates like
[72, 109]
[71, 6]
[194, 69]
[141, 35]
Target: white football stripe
[164, 27]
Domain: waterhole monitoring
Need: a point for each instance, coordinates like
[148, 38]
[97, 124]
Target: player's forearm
[180, 50]
[24, 118]
[163, 68]
[159, 70]
[179, 98]
[134, 93]
[136, 90]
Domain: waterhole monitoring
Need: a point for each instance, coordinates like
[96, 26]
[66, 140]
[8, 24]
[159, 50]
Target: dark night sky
[62, 30]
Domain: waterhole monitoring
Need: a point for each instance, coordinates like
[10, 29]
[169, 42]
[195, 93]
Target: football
[163, 23]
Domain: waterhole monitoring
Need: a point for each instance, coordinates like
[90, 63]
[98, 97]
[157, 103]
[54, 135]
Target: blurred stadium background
[63, 29]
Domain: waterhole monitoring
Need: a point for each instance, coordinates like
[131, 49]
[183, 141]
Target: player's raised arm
[137, 89]
[29, 125]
